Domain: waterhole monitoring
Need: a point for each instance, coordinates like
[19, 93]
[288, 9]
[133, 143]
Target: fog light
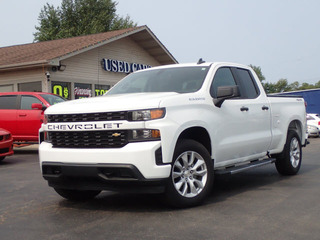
[145, 135]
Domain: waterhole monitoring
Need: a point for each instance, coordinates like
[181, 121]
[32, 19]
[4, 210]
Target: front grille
[89, 139]
[88, 117]
[4, 150]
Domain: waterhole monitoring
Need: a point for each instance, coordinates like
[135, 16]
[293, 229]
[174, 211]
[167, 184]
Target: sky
[280, 36]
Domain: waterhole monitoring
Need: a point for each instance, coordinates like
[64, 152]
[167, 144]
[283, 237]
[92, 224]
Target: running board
[241, 168]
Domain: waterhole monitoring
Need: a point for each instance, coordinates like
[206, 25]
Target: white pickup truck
[170, 129]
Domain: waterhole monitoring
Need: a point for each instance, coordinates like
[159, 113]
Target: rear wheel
[289, 161]
[76, 195]
[191, 176]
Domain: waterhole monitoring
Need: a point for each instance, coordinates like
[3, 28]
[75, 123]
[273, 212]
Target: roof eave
[34, 64]
[162, 46]
[90, 47]
[124, 35]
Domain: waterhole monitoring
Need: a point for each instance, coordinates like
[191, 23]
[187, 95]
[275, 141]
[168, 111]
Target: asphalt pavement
[257, 204]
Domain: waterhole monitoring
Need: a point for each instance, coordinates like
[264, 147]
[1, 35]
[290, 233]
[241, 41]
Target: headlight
[7, 137]
[148, 114]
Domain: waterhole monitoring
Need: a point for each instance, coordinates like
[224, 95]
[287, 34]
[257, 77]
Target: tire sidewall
[283, 163]
[173, 197]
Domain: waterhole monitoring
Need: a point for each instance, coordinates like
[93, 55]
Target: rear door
[258, 115]
[8, 113]
[29, 119]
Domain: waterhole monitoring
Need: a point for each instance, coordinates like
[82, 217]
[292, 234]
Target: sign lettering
[101, 89]
[112, 65]
[61, 89]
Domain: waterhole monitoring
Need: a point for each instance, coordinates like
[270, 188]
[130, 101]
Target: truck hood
[120, 102]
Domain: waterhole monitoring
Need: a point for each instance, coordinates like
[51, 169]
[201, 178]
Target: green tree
[294, 86]
[282, 85]
[306, 86]
[49, 20]
[79, 17]
[258, 71]
[269, 87]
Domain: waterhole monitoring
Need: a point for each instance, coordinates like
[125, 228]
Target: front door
[244, 132]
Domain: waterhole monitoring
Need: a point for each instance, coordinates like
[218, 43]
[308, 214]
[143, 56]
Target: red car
[5, 144]
[21, 113]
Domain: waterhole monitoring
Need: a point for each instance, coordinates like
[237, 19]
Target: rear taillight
[319, 123]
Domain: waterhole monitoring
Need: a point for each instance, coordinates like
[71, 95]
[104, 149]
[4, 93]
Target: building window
[100, 89]
[62, 89]
[30, 87]
[82, 90]
[6, 88]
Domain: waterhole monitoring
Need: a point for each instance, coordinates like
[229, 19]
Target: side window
[8, 102]
[26, 102]
[223, 77]
[249, 87]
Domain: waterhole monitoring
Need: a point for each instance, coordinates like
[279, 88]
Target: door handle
[22, 115]
[244, 109]
[265, 108]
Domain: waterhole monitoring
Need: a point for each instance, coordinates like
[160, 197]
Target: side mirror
[38, 106]
[224, 93]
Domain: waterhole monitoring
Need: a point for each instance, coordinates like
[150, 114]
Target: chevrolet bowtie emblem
[116, 134]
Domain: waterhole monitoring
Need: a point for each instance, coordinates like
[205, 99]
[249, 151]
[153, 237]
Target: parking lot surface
[257, 204]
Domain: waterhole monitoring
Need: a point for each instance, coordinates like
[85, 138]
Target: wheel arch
[296, 126]
[198, 134]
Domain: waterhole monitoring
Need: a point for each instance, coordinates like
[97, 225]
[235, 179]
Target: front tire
[191, 175]
[76, 195]
[289, 161]
[1, 158]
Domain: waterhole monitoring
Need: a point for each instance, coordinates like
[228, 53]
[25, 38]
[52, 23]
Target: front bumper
[6, 148]
[105, 169]
[114, 177]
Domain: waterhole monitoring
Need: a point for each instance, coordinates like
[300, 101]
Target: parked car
[6, 142]
[313, 120]
[21, 113]
[313, 131]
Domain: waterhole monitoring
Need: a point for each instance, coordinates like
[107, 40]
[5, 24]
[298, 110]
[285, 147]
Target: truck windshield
[180, 80]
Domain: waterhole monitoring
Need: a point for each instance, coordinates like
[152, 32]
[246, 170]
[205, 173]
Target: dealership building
[80, 67]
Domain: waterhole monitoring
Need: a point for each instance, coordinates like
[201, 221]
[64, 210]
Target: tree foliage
[282, 84]
[79, 17]
[258, 71]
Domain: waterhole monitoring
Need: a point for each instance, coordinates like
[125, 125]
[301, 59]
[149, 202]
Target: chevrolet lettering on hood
[82, 126]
